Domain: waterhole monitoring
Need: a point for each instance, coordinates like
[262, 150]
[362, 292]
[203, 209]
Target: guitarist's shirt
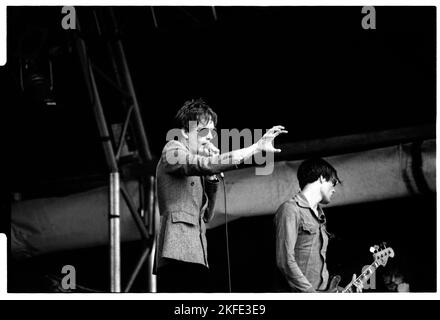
[301, 245]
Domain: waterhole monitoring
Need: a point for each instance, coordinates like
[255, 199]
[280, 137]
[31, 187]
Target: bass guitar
[380, 255]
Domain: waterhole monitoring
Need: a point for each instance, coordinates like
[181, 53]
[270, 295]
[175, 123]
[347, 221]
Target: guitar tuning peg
[374, 248]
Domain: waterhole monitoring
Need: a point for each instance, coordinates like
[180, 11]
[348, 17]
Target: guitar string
[363, 274]
[348, 287]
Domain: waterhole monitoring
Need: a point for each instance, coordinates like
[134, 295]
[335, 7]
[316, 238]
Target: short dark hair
[195, 110]
[311, 169]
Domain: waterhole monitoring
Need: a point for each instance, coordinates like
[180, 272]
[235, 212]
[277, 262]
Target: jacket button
[192, 183]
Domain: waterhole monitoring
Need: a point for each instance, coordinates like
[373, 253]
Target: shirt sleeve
[287, 226]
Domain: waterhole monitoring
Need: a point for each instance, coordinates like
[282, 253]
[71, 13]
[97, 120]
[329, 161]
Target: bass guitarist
[301, 233]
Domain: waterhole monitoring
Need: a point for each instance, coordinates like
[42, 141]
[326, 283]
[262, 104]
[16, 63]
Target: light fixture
[36, 85]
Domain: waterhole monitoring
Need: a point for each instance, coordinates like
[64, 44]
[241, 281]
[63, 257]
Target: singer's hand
[266, 142]
[212, 178]
[213, 150]
[209, 150]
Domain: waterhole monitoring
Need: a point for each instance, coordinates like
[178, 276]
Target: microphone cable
[226, 234]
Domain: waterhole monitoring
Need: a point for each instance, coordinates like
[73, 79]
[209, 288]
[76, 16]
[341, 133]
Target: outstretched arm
[264, 144]
[177, 158]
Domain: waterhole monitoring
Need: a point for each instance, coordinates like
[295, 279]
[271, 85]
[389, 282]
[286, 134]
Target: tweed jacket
[186, 201]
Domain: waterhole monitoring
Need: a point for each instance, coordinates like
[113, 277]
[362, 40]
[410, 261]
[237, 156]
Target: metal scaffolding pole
[133, 121]
[115, 265]
[115, 243]
[152, 285]
[145, 150]
[97, 105]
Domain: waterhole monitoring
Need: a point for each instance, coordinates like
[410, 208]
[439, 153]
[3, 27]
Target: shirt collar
[301, 200]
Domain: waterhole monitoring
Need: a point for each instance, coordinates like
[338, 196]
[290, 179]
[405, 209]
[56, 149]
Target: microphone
[212, 150]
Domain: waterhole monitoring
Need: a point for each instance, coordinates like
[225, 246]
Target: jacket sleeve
[176, 158]
[211, 192]
[287, 226]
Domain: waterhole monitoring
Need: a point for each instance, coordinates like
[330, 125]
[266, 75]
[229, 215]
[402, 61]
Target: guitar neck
[363, 277]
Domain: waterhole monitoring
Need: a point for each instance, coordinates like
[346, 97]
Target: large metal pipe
[77, 221]
[355, 142]
[377, 174]
[61, 223]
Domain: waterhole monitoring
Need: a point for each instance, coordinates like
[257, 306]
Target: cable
[227, 235]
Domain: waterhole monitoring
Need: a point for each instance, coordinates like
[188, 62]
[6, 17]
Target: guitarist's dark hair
[311, 169]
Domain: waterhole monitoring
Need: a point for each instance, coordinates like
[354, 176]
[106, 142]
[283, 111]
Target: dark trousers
[179, 276]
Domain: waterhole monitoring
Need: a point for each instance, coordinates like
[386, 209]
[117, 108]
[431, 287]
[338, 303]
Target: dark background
[314, 70]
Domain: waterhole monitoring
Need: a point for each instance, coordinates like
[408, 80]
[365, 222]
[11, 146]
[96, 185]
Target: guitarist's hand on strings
[359, 285]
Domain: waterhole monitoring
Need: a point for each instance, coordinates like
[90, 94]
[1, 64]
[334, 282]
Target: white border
[210, 296]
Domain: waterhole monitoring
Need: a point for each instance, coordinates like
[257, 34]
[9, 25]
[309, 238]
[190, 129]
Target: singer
[188, 175]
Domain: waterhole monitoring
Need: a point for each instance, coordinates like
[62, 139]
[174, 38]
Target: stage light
[36, 85]
[39, 89]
